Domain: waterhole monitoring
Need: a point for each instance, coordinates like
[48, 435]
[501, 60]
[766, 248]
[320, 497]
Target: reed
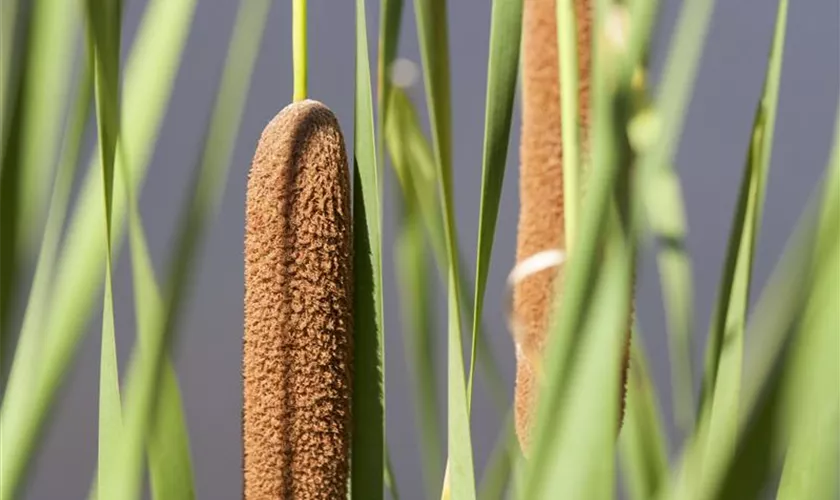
[298, 344]
[543, 224]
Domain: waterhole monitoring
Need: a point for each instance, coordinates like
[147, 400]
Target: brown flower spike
[541, 225]
[298, 310]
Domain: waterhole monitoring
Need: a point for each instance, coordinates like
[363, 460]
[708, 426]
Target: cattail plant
[298, 342]
[599, 185]
[298, 309]
[546, 222]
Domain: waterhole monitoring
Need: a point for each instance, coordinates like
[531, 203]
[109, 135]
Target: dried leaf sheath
[298, 309]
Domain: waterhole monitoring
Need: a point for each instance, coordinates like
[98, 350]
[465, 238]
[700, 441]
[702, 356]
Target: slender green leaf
[642, 443]
[433, 36]
[772, 325]
[722, 380]
[679, 75]
[104, 21]
[168, 445]
[498, 473]
[147, 85]
[810, 468]
[798, 400]
[9, 19]
[502, 66]
[410, 151]
[146, 365]
[27, 355]
[657, 155]
[412, 269]
[581, 458]
[54, 27]
[368, 463]
[389, 38]
[665, 212]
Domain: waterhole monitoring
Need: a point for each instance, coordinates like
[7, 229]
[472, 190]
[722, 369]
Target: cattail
[298, 310]
[541, 218]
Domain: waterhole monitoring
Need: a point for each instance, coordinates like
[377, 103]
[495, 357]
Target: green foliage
[769, 406]
[368, 457]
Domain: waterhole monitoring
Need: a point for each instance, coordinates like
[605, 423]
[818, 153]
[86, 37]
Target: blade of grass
[170, 467]
[657, 155]
[148, 83]
[678, 77]
[431, 19]
[812, 460]
[145, 369]
[410, 151]
[811, 464]
[664, 210]
[671, 103]
[642, 444]
[389, 39]
[368, 464]
[498, 473]
[104, 21]
[581, 458]
[27, 355]
[721, 384]
[772, 324]
[11, 134]
[412, 270]
[797, 400]
[8, 25]
[502, 68]
[54, 27]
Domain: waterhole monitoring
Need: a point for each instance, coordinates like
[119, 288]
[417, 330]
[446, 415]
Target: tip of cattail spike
[297, 353]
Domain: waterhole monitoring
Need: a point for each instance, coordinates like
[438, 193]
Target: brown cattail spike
[298, 310]
[541, 218]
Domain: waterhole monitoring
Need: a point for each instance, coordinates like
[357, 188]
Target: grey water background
[208, 351]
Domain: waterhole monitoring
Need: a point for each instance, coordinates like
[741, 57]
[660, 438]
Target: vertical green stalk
[299, 47]
[567, 53]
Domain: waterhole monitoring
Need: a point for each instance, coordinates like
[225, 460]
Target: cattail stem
[567, 53]
[299, 48]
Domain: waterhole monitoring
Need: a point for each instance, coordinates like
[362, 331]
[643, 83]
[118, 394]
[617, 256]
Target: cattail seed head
[297, 360]
[541, 218]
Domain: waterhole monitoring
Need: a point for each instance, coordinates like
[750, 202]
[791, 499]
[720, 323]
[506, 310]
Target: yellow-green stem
[299, 48]
[566, 38]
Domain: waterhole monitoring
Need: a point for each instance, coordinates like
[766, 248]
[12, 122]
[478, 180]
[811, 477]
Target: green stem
[299, 47]
[567, 52]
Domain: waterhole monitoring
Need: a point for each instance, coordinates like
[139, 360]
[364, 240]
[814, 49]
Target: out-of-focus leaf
[502, 66]
[147, 85]
[642, 442]
[720, 393]
[413, 273]
[104, 23]
[147, 361]
[665, 213]
[432, 32]
[498, 474]
[410, 151]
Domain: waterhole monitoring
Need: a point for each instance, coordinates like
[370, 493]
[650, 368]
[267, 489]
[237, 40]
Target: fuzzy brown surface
[297, 358]
[541, 225]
